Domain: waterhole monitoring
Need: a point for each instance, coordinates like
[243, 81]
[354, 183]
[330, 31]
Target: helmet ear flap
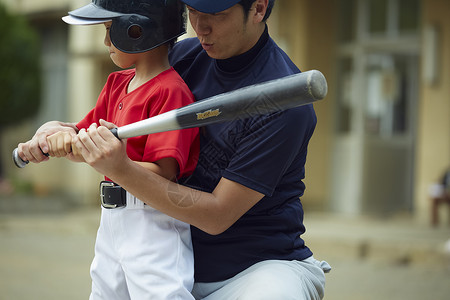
[133, 33]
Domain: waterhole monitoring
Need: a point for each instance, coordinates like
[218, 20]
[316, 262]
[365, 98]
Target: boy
[140, 253]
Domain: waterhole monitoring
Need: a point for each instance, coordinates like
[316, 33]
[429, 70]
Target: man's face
[225, 34]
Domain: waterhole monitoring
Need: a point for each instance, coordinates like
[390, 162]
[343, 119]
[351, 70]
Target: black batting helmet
[137, 25]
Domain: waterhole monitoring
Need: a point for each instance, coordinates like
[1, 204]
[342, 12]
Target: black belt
[112, 195]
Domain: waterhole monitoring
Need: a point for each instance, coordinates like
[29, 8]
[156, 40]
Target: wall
[304, 29]
[433, 148]
[35, 7]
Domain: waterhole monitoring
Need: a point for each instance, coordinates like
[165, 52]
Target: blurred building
[383, 134]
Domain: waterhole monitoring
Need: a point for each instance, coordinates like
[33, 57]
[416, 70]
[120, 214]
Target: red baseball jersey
[163, 93]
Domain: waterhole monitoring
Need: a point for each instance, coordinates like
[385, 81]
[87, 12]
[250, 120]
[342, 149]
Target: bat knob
[18, 161]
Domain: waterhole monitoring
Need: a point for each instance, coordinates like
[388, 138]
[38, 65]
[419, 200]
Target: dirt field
[47, 256]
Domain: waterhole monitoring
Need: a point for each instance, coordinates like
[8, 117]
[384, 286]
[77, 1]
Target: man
[243, 198]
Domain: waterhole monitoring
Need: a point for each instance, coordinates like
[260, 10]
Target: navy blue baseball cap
[210, 6]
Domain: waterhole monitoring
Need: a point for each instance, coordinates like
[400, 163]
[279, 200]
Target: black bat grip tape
[115, 132]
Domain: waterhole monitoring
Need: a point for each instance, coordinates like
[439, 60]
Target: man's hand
[35, 149]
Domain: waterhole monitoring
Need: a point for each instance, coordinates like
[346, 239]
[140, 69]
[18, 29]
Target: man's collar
[236, 63]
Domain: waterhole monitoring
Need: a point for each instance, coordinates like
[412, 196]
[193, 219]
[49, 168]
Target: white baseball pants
[268, 280]
[141, 253]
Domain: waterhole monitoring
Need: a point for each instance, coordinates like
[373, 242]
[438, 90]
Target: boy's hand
[107, 124]
[102, 150]
[60, 144]
[75, 155]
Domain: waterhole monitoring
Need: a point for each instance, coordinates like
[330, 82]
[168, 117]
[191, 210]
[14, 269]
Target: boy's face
[227, 33]
[121, 59]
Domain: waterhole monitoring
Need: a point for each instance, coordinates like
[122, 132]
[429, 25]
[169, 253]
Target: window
[378, 46]
[347, 12]
[377, 16]
[408, 15]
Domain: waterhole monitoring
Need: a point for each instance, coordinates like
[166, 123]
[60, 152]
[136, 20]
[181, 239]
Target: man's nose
[202, 25]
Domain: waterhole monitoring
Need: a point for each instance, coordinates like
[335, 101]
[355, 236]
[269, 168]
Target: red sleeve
[165, 92]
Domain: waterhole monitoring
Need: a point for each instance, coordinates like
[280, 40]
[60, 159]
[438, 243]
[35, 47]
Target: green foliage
[19, 69]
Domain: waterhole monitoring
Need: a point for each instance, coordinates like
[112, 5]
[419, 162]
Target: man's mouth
[207, 46]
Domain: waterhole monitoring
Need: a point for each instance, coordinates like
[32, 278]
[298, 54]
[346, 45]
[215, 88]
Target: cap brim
[210, 6]
[92, 11]
[83, 21]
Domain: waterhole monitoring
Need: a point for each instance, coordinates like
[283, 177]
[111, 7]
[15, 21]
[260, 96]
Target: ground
[46, 253]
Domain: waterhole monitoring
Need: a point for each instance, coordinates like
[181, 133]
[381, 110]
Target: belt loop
[134, 203]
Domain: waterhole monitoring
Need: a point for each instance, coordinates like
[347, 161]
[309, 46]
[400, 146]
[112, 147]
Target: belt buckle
[102, 196]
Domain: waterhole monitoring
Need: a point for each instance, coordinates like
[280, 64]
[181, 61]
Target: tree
[20, 83]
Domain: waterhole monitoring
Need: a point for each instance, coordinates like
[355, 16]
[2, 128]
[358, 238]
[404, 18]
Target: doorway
[375, 113]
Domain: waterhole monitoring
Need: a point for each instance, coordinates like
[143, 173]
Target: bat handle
[18, 161]
[115, 132]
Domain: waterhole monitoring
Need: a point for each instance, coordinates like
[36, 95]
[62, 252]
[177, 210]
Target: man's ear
[260, 7]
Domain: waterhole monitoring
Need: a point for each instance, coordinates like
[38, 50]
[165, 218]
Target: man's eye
[219, 14]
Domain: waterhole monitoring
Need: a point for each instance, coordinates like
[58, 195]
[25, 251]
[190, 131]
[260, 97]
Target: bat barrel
[259, 99]
[318, 84]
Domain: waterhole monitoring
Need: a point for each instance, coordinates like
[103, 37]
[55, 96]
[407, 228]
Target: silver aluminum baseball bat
[259, 99]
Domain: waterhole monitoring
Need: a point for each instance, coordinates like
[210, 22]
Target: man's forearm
[211, 212]
[183, 203]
